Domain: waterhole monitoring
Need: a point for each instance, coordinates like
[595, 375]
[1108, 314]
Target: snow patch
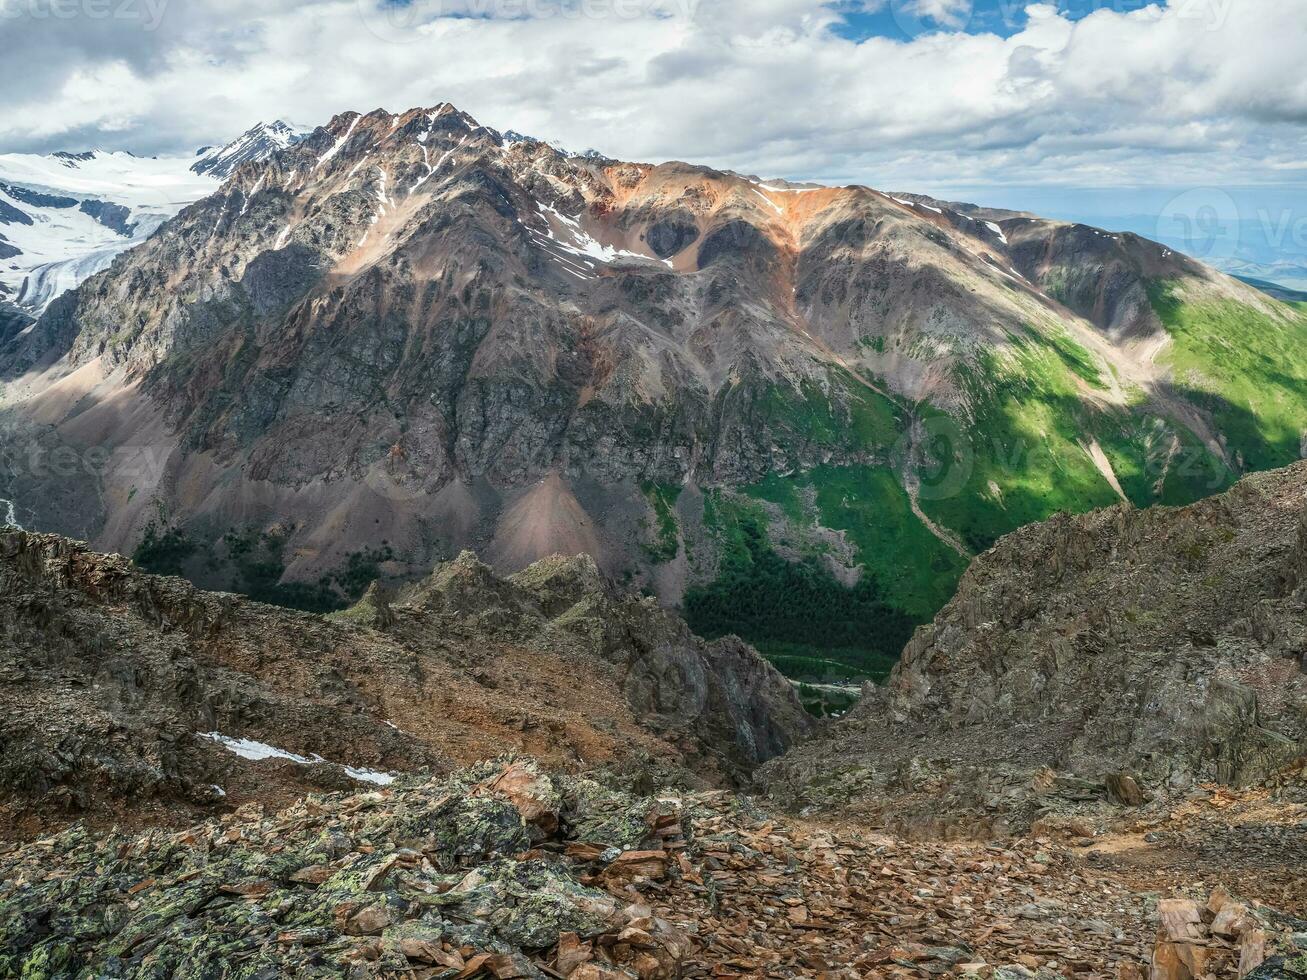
[432, 170]
[258, 186]
[369, 776]
[770, 203]
[10, 516]
[248, 748]
[254, 751]
[997, 231]
[338, 144]
[572, 238]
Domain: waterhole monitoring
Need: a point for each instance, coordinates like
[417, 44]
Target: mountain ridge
[1155, 650]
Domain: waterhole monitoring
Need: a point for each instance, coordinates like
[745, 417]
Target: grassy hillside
[1028, 451]
[1245, 368]
[1038, 436]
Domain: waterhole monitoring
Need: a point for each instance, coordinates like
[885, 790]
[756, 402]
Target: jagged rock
[120, 686]
[1162, 648]
[1227, 938]
[220, 890]
[530, 793]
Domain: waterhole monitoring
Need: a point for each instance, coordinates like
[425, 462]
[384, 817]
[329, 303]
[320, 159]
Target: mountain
[258, 143]
[511, 136]
[133, 696]
[65, 216]
[1125, 654]
[796, 412]
[1274, 289]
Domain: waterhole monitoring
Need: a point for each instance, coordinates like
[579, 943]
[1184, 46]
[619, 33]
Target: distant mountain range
[65, 216]
[797, 412]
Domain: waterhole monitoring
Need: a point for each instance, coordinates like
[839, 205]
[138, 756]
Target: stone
[572, 952]
[1252, 951]
[1123, 789]
[636, 865]
[370, 921]
[1233, 920]
[531, 792]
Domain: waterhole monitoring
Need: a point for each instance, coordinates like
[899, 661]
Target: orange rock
[370, 921]
[530, 791]
[596, 971]
[1233, 920]
[572, 952]
[314, 874]
[638, 864]
[1181, 921]
[1252, 951]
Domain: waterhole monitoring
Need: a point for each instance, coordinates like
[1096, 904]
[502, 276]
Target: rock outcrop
[124, 692]
[1127, 654]
[1227, 937]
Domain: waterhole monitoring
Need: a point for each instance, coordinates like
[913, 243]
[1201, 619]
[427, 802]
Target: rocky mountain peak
[259, 142]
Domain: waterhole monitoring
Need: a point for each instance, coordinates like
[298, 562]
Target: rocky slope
[140, 698]
[772, 403]
[1121, 656]
[504, 871]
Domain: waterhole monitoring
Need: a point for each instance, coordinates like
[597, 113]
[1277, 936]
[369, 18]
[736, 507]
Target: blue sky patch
[904, 20]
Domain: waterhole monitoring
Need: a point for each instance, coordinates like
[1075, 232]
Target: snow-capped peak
[258, 143]
[512, 136]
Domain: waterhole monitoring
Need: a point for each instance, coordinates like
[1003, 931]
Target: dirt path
[1104, 466]
[911, 485]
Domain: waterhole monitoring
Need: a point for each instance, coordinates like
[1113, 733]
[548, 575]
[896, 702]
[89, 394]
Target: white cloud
[945, 13]
[1193, 90]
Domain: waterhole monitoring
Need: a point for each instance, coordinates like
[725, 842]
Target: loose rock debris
[504, 871]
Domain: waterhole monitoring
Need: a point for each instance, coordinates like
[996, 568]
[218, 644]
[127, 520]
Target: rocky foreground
[134, 698]
[503, 871]
[1091, 765]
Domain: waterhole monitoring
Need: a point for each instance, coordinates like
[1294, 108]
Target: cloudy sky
[999, 100]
